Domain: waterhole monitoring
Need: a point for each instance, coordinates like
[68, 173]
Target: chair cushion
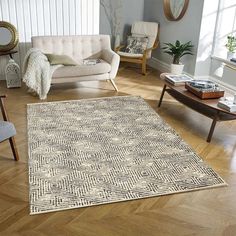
[148, 29]
[7, 130]
[126, 54]
[136, 45]
[82, 70]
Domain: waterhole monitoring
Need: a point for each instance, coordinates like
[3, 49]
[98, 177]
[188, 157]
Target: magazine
[178, 79]
[228, 103]
[90, 62]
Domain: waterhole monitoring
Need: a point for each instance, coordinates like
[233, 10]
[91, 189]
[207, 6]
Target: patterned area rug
[96, 151]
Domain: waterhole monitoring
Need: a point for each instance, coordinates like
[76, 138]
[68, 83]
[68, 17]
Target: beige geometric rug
[97, 151]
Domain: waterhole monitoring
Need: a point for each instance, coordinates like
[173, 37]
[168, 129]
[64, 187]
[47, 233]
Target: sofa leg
[144, 68]
[114, 85]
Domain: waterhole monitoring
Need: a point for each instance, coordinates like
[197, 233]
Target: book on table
[228, 104]
[178, 79]
[90, 62]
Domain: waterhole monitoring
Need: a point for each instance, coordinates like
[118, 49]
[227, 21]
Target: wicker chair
[142, 29]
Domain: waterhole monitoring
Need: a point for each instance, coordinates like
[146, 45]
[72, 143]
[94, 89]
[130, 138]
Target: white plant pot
[176, 69]
[230, 55]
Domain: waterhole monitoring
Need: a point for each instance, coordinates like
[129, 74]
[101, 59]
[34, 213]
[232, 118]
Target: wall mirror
[175, 9]
[8, 36]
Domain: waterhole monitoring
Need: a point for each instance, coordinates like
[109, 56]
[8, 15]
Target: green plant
[178, 50]
[231, 43]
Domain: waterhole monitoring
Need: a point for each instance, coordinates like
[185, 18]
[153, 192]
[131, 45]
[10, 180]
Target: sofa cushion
[7, 130]
[65, 60]
[136, 45]
[82, 70]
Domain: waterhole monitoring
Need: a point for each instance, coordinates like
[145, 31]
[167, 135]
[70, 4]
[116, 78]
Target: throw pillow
[65, 60]
[136, 45]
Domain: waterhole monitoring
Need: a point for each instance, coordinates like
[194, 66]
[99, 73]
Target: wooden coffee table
[207, 107]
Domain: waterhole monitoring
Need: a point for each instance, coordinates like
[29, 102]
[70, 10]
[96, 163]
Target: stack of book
[228, 103]
[91, 62]
[177, 80]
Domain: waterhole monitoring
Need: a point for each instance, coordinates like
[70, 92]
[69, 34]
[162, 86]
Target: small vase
[176, 69]
[117, 41]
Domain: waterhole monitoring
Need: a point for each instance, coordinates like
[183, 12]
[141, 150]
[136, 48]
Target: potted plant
[231, 46]
[177, 51]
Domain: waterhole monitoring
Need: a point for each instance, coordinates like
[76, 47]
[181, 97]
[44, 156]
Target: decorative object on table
[205, 89]
[228, 103]
[113, 11]
[177, 80]
[141, 30]
[12, 73]
[207, 107]
[177, 51]
[91, 62]
[7, 129]
[175, 9]
[231, 46]
[89, 152]
[9, 36]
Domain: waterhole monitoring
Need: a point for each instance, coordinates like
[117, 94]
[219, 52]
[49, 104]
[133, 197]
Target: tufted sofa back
[77, 47]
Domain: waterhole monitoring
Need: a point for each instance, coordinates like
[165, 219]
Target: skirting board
[165, 67]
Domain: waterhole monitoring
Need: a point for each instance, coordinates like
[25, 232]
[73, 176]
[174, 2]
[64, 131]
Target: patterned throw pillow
[136, 45]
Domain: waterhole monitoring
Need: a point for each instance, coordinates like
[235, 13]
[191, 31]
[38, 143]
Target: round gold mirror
[175, 9]
[8, 36]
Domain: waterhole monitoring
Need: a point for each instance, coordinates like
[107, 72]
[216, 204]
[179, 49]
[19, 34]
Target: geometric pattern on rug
[97, 151]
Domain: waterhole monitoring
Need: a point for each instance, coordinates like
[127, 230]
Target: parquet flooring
[203, 213]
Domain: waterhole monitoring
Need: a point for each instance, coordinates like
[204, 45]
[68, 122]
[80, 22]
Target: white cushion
[148, 29]
[82, 70]
[126, 54]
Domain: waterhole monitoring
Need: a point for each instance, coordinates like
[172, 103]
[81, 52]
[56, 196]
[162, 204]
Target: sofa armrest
[113, 59]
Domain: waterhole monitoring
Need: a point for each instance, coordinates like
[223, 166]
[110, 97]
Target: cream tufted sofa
[80, 48]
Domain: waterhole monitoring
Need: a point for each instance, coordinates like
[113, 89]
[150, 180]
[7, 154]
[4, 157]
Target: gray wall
[187, 29]
[133, 10]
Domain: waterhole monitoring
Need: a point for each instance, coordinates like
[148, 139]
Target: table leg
[162, 95]
[213, 125]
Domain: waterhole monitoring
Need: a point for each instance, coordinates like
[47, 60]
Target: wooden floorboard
[204, 213]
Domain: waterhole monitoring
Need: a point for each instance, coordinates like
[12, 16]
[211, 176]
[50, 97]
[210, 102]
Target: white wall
[48, 17]
[132, 11]
[187, 29]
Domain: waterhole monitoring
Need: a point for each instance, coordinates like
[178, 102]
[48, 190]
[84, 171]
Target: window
[225, 25]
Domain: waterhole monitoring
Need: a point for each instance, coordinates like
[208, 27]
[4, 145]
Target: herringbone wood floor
[203, 213]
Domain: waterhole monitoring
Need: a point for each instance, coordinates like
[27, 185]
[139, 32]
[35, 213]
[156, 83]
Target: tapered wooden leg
[162, 95]
[114, 85]
[213, 125]
[144, 68]
[13, 148]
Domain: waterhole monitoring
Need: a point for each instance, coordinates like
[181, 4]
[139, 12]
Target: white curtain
[48, 17]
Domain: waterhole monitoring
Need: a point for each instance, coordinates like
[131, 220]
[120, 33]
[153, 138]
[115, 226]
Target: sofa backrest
[77, 47]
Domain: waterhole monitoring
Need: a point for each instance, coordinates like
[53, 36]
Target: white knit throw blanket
[38, 72]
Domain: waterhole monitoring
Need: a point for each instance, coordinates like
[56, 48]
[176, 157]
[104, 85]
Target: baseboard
[159, 65]
[165, 67]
